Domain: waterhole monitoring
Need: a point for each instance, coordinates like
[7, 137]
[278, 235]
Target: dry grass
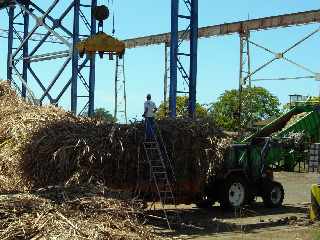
[79, 215]
[45, 147]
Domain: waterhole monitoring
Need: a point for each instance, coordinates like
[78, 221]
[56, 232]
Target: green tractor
[244, 177]
[249, 165]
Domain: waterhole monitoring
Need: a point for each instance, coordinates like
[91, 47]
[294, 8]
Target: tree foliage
[104, 115]
[182, 109]
[257, 104]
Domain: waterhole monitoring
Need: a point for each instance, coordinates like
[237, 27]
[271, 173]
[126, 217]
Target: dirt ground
[257, 222]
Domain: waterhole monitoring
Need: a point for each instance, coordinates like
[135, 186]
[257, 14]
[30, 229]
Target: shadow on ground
[201, 222]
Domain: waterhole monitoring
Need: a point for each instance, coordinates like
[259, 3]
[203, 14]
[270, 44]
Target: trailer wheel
[234, 192]
[273, 194]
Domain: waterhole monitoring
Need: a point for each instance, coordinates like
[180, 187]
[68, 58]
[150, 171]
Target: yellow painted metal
[101, 43]
[315, 202]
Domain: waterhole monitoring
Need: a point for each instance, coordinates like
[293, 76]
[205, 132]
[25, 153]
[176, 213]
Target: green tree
[257, 104]
[104, 115]
[182, 109]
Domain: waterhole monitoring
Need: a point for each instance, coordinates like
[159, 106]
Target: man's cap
[149, 95]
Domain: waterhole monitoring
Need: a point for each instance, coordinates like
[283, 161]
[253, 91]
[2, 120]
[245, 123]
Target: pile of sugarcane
[46, 146]
[81, 213]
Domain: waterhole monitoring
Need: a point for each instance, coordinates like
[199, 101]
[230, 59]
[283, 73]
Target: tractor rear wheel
[234, 192]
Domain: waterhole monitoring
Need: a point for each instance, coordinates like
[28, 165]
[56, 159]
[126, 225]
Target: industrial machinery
[247, 168]
[101, 42]
[242, 178]
[249, 165]
[293, 131]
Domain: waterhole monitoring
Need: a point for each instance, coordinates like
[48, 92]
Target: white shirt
[150, 106]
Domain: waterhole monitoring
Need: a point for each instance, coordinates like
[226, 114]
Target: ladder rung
[184, 16]
[181, 92]
[152, 148]
[184, 54]
[155, 160]
[160, 166]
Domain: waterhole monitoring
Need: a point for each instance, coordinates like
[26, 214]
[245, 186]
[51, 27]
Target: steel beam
[10, 42]
[285, 20]
[176, 63]
[20, 58]
[193, 58]
[25, 51]
[173, 58]
[165, 80]
[75, 58]
[92, 71]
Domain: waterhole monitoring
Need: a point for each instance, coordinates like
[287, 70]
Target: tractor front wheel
[273, 194]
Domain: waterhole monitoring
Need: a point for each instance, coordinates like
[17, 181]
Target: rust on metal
[101, 43]
[285, 20]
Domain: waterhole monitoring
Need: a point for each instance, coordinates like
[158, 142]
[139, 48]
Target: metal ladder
[157, 158]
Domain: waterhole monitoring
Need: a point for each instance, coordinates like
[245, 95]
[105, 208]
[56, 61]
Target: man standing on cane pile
[149, 113]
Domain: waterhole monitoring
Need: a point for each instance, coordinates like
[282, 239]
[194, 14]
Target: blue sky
[218, 63]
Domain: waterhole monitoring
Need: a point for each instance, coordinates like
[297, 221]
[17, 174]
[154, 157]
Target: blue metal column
[173, 57]
[75, 58]
[25, 52]
[193, 58]
[10, 42]
[92, 75]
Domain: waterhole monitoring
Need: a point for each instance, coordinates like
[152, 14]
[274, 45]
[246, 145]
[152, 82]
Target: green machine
[248, 165]
[290, 135]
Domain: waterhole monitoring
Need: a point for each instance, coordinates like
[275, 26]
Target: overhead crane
[266, 23]
[170, 40]
[243, 28]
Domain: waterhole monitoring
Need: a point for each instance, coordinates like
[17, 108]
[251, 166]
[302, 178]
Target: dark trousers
[149, 128]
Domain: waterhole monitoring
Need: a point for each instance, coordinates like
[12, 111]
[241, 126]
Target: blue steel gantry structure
[190, 77]
[31, 27]
[31, 23]
[242, 29]
[21, 58]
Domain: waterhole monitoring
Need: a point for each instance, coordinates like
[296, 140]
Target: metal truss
[276, 57]
[266, 23]
[176, 62]
[246, 75]
[245, 66]
[31, 29]
[120, 103]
